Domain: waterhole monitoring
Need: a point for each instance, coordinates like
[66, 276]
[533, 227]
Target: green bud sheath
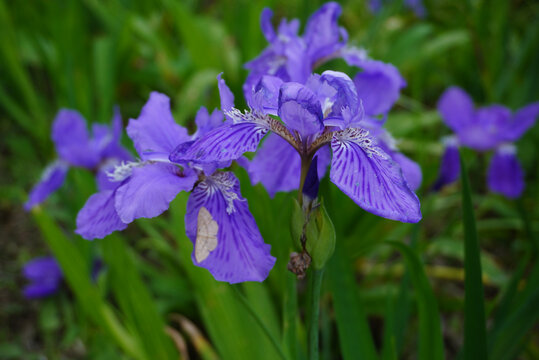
[320, 237]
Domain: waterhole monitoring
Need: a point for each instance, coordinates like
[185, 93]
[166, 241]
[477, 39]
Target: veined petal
[456, 108]
[155, 133]
[505, 175]
[450, 165]
[98, 217]
[150, 189]
[72, 140]
[227, 142]
[378, 86]
[369, 177]
[300, 109]
[224, 233]
[52, 178]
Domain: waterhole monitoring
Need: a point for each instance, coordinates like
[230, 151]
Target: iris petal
[52, 178]
[240, 253]
[98, 217]
[505, 175]
[369, 177]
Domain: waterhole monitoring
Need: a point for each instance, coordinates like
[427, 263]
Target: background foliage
[391, 290]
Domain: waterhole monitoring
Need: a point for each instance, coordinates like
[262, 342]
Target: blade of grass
[430, 330]
[475, 343]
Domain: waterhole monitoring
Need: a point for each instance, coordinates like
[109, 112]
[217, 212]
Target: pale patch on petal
[206, 240]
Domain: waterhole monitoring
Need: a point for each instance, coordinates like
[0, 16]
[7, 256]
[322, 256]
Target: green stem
[260, 323]
[316, 283]
[290, 315]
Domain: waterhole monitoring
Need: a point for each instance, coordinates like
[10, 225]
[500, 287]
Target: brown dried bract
[299, 263]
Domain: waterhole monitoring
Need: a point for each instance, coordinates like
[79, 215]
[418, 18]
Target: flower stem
[316, 283]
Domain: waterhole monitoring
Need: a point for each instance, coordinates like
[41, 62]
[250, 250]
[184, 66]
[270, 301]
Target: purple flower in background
[415, 5]
[323, 114]
[492, 127]
[76, 147]
[226, 238]
[45, 277]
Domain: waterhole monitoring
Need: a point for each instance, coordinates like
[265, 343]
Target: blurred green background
[90, 55]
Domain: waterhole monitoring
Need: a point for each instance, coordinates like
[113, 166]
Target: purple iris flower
[226, 238]
[323, 114]
[492, 127]
[291, 58]
[76, 147]
[45, 277]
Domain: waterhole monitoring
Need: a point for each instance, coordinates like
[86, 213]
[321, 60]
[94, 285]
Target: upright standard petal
[378, 86]
[150, 190]
[450, 164]
[227, 142]
[155, 133]
[227, 98]
[72, 140]
[487, 128]
[456, 108]
[52, 178]
[206, 122]
[521, 121]
[300, 109]
[226, 238]
[369, 177]
[98, 217]
[266, 25]
[322, 33]
[265, 96]
[505, 175]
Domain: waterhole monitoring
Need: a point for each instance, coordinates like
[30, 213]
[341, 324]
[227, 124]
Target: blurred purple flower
[415, 5]
[75, 147]
[322, 114]
[45, 277]
[492, 127]
[225, 235]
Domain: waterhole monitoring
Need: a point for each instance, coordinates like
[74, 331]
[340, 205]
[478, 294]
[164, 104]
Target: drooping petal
[227, 142]
[155, 133]
[300, 109]
[98, 217]
[72, 141]
[369, 177]
[52, 178]
[487, 129]
[150, 190]
[378, 86]
[456, 108]
[522, 120]
[322, 33]
[505, 175]
[410, 169]
[225, 235]
[45, 277]
[450, 164]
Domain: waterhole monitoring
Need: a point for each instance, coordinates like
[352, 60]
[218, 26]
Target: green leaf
[355, 338]
[430, 331]
[475, 343]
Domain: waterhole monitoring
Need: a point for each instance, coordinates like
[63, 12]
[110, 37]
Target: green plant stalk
[290, 315]
[316, 283]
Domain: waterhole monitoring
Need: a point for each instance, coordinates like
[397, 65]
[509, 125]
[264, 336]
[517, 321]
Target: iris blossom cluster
[98, 152]
[225, 235]
[492, 127]
[291, 58]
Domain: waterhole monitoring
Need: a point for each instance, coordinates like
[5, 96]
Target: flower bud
[320, 234]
